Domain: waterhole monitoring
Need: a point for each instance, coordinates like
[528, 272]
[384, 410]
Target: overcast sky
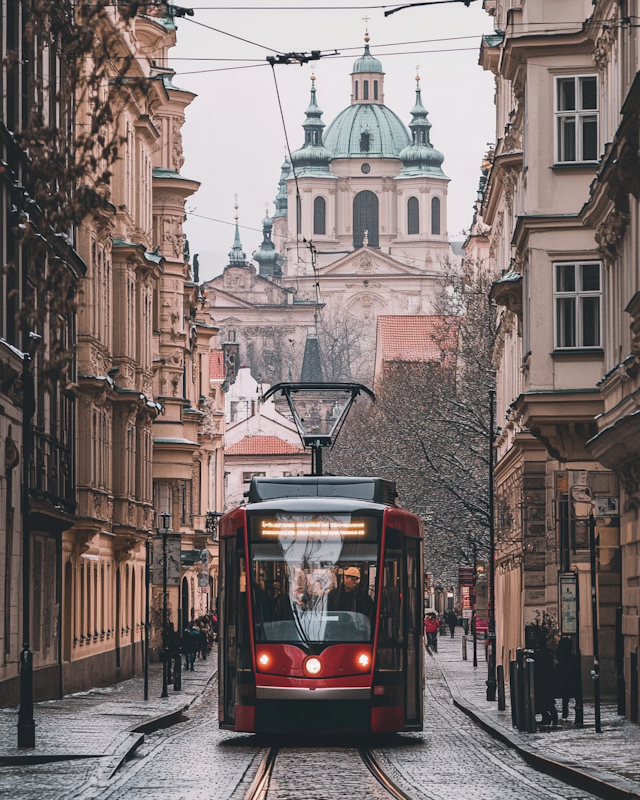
[233, 136]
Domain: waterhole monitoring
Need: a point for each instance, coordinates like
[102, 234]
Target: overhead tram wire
[232, 35]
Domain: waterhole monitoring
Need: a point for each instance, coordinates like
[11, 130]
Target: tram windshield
[314, 577]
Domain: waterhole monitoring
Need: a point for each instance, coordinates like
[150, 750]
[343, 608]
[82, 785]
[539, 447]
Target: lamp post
[26, 722]
[147, 581]
[164, 531]
[491, 677]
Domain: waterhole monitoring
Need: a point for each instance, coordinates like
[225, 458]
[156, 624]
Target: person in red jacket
[431, 625]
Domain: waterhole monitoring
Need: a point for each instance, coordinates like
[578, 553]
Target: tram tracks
[259, 787]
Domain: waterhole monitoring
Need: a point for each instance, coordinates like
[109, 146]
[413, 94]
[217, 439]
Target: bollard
[513, 692]
[502, 705]
[529, 697]
[520, 718]
[177, 672]
[464, 647]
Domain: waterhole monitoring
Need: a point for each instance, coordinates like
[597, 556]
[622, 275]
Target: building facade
[548, 222]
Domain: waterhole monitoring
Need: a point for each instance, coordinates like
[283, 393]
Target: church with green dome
[359, 231]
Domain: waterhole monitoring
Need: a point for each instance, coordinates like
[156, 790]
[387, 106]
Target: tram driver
[349, 594]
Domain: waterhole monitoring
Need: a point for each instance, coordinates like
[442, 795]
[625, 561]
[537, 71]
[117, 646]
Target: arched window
[375, 90]
[365, 142]
[319, 215]
[435, 216]
[298, 215]
[356, 90]
[365, 218]
[413, 216]
[365, 93]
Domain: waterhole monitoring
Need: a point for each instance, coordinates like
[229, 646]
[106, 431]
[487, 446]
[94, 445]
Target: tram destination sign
[312, 528]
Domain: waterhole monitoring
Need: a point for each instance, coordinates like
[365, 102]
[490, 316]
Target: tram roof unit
[371, 490]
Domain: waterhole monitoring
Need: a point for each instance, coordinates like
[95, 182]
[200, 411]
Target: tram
[320, 608]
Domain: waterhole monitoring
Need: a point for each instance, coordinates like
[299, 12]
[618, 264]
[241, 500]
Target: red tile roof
[262, 446]
[416, 338]
[216, 365]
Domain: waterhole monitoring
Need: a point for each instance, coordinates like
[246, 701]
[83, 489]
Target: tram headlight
[363, 660]
[313, 665]
[264, 660]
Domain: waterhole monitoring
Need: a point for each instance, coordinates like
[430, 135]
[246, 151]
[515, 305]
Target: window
[356, 90]
[375, 90]
[319, 215]
[365, 142]
[365, 90]
[435, 216]
[577, 118]
[577, 301]
[365, 218]
[413, 216]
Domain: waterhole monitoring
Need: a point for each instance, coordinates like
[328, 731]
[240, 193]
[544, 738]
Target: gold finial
[266, 209]
[418, 72]
[366, 28]
[313, 78]
[236, 206]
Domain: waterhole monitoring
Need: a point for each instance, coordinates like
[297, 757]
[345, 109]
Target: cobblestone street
[452, 759]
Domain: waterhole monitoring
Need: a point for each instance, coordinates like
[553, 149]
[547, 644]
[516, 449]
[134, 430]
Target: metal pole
[147, 582]
[594, 622]
[475, 638]
[26, 722]
[165, 649]
[318, 450]
[502, 703]
[491, 650]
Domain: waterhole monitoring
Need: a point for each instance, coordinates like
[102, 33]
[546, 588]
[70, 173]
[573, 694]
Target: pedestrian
[189, 648]
[452, 621]
[544, 683]
[565, 668]
[431, 625]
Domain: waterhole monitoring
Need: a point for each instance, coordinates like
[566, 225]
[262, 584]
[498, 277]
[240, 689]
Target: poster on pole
[568, 603]
[174, 547]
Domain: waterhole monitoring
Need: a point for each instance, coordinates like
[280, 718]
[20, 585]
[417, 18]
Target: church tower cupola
[312, 159]
[367, 78]
[237, 257]
[266, 255]
[420, 158]
[281, 197]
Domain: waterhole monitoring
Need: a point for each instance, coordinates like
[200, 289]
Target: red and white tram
[320, 608]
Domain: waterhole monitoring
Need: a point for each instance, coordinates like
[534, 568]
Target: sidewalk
[107, 722]
[606, 764]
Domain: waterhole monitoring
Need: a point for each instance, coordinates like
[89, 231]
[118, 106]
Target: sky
[233, 137]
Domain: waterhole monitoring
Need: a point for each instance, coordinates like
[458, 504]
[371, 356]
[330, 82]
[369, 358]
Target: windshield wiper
[301, 630]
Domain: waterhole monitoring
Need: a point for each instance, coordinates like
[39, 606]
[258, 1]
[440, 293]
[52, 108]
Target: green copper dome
[266, 254]
[387, 135]
[312, 159]
[367, 63]
[420, 158]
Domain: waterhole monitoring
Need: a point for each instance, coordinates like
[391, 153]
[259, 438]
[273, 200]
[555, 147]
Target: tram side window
[390, 651]
[243, 638]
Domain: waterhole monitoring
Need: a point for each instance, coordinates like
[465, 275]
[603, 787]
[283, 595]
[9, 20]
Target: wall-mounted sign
[568, 603]
[174, 547]
[607, 506]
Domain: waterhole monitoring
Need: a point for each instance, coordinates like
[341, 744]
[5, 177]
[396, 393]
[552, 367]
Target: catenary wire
[232, 35]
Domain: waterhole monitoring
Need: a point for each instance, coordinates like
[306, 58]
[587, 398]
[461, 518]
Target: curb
[133, 738]
[603, 784]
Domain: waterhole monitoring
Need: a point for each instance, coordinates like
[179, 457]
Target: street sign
[568, 603]
[174, 547]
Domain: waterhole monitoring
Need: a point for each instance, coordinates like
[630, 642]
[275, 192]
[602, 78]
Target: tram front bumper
[306, 694]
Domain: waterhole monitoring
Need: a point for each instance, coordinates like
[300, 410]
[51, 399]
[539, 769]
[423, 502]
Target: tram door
[227, 646]
[413, 609]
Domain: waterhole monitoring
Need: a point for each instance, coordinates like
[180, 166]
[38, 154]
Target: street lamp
[164, 530]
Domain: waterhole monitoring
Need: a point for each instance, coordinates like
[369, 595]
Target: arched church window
[365, 218]
[365, 142]
[319, 215]
[375, 90]
[365, 90]
[435, 216]
[413, 216]
[298, 215]
[356, 90]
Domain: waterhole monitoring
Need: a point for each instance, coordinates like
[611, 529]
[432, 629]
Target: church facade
[359, 230]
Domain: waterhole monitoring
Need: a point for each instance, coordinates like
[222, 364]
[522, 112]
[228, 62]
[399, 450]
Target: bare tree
[429, 428]
[347, 346]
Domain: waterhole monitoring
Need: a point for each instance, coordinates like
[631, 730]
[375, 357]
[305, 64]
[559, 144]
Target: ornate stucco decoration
[603, 47]
[509, 183]
[177, 156]
[609, 235]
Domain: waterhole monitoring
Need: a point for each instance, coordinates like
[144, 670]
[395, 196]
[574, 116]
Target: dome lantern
[367, 78]
[266, 255]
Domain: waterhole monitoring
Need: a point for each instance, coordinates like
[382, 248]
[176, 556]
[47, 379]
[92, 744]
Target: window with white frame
[578, 302]
[577, 118]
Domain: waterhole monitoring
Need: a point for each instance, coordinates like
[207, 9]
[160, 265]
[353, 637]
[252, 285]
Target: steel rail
[381, 776]
[260, 784]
